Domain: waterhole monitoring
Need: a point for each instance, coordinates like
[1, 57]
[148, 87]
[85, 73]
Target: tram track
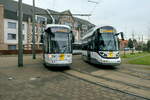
[140, 91]
[135, 74]
[135, 70]
[113, 80]
[130, 89]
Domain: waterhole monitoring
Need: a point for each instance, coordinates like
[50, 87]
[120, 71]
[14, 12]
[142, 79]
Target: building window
[84, 27]
[23, 37]
[23, 26]
[41, 19]
[68, 23]
[11, 25]
[11, 36]
[11, 47]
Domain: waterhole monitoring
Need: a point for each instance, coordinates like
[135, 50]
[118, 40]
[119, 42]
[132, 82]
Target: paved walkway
[35, 82]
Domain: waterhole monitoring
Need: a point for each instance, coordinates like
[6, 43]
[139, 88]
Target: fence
[10, 52]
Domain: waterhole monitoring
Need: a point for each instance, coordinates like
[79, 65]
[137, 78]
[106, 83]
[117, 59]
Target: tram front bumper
[57, 65]
[108, 62]
[112, 62]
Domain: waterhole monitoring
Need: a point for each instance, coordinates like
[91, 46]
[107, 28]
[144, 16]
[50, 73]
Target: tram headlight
[103, 54]
[50, 56]
[118, 54]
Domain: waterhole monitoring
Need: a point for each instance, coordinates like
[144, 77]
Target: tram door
[88, 52]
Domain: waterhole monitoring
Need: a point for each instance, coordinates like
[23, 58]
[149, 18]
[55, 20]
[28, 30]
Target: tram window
[86, 47]
[91, 47]
[83, 47]
[46, 45]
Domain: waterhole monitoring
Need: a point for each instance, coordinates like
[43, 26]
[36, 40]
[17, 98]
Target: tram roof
[91, 31]
[57, 25]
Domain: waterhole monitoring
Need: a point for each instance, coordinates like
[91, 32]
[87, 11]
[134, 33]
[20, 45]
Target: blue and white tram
[100, 46]
[57, 45]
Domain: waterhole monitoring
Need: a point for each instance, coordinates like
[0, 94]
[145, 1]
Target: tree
[148, 45]
[135, 44]
[144, 47]
[139, 47]
[130, 43]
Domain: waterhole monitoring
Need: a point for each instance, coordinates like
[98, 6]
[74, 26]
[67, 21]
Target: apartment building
[9, 24]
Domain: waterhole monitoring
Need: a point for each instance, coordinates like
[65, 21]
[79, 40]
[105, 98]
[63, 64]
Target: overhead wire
[96, 3]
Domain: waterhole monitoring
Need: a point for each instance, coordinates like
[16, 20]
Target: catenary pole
[33, 31]
[20, 46]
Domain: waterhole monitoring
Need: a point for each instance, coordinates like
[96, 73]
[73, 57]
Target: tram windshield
[108, 42]
[60, 42]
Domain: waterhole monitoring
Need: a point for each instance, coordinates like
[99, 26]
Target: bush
[148, 45]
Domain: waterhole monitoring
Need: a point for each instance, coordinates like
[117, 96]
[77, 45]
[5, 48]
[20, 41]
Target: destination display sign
[107, 31]
[59, 29]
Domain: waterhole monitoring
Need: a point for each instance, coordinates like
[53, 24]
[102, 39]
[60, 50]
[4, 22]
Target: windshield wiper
[109, 42]
[112, 46]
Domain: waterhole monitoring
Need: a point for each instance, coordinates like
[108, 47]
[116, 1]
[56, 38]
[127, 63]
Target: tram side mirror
[48, 30]
[73, 38]
[117, 34]
[122, 35]
[43, 23]
[42, 38]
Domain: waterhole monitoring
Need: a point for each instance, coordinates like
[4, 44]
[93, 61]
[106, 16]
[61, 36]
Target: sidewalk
[12, 60]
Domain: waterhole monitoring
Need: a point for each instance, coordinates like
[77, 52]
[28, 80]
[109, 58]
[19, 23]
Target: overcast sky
[129, 16]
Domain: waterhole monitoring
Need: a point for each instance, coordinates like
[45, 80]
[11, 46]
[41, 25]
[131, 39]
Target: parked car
[126, 49]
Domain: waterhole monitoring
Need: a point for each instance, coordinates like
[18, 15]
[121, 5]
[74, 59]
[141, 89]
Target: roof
[67, 12]
[82, 21]
[11, 8]
[123, 41]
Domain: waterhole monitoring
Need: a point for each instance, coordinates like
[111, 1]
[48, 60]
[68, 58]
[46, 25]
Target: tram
[100, 46]
[57, 45]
